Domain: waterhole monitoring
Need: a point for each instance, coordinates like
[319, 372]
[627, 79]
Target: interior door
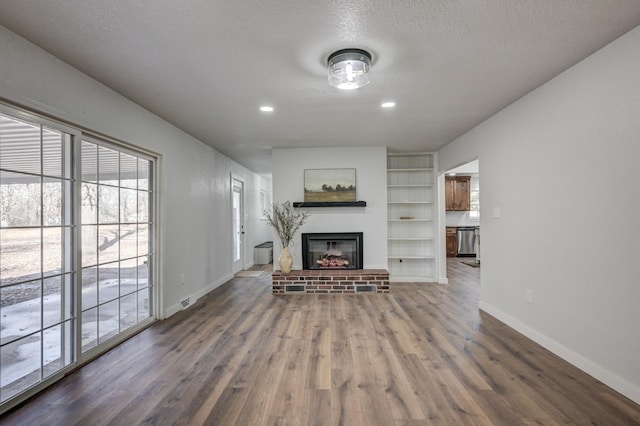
[237, 213]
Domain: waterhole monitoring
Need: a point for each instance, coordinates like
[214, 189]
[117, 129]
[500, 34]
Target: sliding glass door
[76, 248]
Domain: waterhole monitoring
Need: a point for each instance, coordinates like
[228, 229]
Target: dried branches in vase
[286, 220]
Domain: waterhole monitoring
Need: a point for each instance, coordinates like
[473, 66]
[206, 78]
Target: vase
[286, 261]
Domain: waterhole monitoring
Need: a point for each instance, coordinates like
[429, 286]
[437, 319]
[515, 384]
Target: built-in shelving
[408, 186]
[411, 216]
[412, 257]
[410, 202]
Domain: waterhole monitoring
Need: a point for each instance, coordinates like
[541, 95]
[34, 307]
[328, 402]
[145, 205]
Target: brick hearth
[331, 281]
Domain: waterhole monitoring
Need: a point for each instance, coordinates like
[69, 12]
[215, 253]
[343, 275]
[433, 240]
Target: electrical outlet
[530, 296]
[182, 279]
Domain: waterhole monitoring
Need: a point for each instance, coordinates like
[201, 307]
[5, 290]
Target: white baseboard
[197, 295]
[443, 280]
[172, 310]
[607, 377]
[403, 279]
[213, 286]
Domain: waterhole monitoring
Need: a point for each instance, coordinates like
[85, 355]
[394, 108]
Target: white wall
[371, 180]
[195, 214]
[560, 165]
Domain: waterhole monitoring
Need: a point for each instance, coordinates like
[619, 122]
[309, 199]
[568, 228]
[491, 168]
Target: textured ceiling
[207, 66]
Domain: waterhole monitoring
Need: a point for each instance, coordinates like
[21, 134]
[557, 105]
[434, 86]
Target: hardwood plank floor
[421, 355]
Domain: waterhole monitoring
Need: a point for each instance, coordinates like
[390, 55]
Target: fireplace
[337, 250]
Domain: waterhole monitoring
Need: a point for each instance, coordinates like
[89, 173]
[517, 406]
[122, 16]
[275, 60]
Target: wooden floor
[421, 355]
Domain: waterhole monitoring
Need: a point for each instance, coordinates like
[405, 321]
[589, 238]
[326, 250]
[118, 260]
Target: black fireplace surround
[336, 250]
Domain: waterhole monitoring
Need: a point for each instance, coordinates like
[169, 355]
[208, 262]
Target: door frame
[442, 218]
[237, 265]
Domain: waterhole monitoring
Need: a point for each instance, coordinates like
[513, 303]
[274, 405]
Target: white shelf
[410, 186]
[406, 154]
[412, 257]
[411, 191]
[409, 170]
[410, 202]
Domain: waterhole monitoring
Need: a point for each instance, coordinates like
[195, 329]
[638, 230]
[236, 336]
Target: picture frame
[329, 185]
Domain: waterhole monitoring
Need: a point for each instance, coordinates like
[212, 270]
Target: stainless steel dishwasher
[466, 242]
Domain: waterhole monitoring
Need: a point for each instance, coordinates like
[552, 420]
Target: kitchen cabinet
[411, 217]
[452, 241]
[457, 193]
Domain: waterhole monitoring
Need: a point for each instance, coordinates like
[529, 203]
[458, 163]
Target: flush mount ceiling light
[349, 68]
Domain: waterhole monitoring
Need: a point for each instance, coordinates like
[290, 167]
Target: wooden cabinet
[457, 193]
[452, 241]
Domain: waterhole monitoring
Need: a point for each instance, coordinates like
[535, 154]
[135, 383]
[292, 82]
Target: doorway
[237, 217]
[462, 214]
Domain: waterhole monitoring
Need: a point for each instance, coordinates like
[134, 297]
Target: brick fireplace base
[331, 281]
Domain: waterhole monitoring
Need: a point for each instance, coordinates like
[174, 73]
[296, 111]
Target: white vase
[286, 261]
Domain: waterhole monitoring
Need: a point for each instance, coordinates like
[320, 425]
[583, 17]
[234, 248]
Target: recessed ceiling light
[266, 108]
[388, 104]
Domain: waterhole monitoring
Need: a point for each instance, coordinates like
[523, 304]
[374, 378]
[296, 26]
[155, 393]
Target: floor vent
[366, 289]
[185, 302]
[294, 288]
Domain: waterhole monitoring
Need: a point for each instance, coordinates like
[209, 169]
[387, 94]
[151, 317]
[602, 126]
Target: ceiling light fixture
[388, 104]
[349, 68]
[266, 108]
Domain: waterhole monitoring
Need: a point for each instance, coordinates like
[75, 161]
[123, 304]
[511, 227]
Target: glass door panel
[37, 270]
[117, 213]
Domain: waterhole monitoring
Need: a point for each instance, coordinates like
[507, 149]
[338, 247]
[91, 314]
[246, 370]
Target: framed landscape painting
[329, 185]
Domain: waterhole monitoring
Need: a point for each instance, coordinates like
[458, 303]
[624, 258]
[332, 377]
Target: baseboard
[607, 377]
[213, 286]
[195, 296]
[172, 310]
[443, 280]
